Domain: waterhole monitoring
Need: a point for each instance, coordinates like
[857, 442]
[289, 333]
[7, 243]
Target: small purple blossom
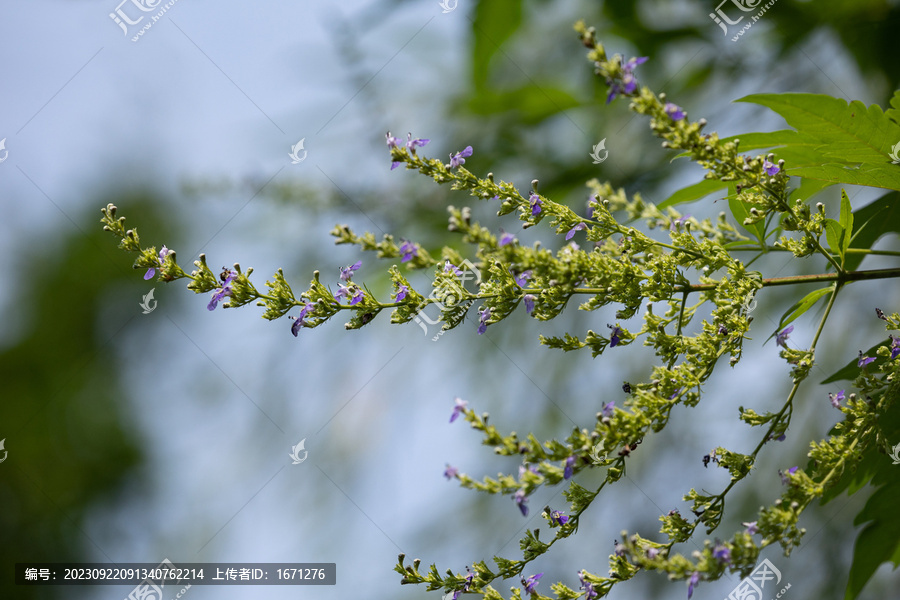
[392, 142]
[864, 360]
[458, 409]
[770, 168]
[535, 201]
[412, 144]
[569, 467]
[836, 399]
[782, 337]
[674, 111]
[460, 157]
[162, 259]
[450, 472]
[558, 518]
[531, 583]
[521, 500]
[609, 408]
[579, 227]
[895, 347]
[692, 583]
[529, 302]
[785, 478]
[506, 238]
[408, 250]
[522, 278]
[652, 552]
[298, 322]
[614, 336]
[751, 527]
[449, 267]
[354, 293]
[679, 222]
[402, 291]
[483, 316]
[225, 290]
[347, 272]
[628, 84]
[589, 592]
[722, 553]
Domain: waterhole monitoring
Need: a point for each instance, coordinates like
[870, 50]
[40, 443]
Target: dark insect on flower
[880, 314]
[706, 459]
[366, 318]
[626, 387]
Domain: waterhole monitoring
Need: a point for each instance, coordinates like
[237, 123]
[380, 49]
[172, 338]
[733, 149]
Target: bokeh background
[133, 437]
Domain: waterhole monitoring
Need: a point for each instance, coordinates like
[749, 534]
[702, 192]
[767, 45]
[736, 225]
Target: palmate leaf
[837, 142]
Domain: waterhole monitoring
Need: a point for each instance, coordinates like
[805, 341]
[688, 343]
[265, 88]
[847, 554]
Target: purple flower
[628, 84]
[401, 292]
[162, 258]
[450, 472]
[521, 500]
[608, 409]
[836, 399]
[347, 272]
[722, 553]
[785, 478]
[458, 409]
[522, 278]
[531, 583]
[782, 337]
[460, 157]
[614, 338]
[506, 238]
[692, 583]
[674, 111]
[225, 290]
[751, 527]
[535, 201]
[579, 227]
[679, 221]
[483, 316]
[450, 267]
[570, 466]
[558, 518]
[529, 302]
[392, 142]
[770, 168]
[864, 360]
[298, 322]
[589, 592]
[345, 291]
[412, 144]
[895, 347]
[408, 250]
[652, 552]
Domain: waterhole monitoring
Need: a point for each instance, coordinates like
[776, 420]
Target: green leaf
[808, 301]
[495, 21]
[846, 220]
[880, 217]
[837, 142]
[879, 542]
[533, 102]
[893, 113]
[851, 370]
[694, 192]
[835, 235]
